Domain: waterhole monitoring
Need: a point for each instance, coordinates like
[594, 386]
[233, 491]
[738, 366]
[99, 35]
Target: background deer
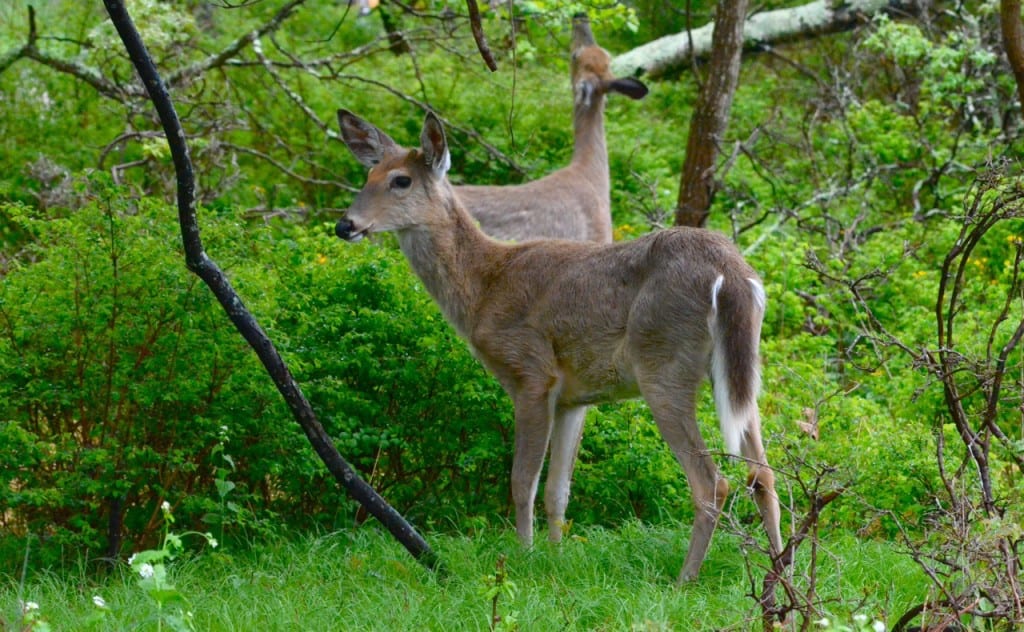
[565, 324]
[573, 202]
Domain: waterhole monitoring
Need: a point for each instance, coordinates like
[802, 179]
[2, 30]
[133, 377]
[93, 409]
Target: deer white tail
[735, 323]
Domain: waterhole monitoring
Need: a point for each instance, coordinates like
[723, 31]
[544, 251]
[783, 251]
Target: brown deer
[573, 202]
[564, 324]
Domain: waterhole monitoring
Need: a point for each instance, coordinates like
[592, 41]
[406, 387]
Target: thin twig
[232, 50]
[285, 170]
[257, 47]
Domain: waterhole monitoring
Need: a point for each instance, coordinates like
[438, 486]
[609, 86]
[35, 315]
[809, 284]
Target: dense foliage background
[854, 165]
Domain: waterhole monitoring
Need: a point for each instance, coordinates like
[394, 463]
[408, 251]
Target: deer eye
[401, 182]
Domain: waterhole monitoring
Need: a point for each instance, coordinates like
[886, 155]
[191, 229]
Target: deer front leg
[533, 427]
[565, 445]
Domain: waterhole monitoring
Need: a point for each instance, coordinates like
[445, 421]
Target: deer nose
[344, 228]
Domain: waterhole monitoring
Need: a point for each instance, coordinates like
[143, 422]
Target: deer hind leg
[565, 445]
[533, 427]
[761, 481]
[674, 408]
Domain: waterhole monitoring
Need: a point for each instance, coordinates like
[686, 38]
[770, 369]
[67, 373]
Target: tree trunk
[711, 117]
[1013, 41]
[399, 45]
[670, 53]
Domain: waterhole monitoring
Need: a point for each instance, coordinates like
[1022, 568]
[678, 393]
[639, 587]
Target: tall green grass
[601, 579]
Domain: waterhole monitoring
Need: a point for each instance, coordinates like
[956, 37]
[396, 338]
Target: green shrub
[394, 386]
[117, 370]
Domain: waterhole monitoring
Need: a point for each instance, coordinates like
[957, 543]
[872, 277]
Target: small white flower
[99, 601]
[29, 606]
[131, 560]
[878, 626]
[146, 570]
[823, 622]
[165, 506]
[213, 542]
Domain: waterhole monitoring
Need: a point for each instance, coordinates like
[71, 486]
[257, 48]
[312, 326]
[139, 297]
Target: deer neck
[590, 154]
[447, 255]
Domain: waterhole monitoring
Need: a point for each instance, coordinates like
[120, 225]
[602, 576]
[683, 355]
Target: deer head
[401, 181]
[591, 72]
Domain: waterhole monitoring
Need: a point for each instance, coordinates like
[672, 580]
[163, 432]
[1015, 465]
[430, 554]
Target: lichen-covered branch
[672, 52]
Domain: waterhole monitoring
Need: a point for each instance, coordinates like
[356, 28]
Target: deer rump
[590, 323]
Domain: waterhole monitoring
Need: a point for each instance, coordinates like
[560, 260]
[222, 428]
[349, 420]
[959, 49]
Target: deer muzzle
[346, 229]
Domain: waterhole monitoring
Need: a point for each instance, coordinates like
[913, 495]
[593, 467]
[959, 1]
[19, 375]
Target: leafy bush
[395, 387]
[116, 373]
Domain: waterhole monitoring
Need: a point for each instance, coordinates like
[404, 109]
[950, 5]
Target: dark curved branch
[478, 35]
[204, 267]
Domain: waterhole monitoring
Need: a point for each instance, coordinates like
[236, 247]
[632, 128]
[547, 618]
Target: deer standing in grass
[573, 202]
[564, 324]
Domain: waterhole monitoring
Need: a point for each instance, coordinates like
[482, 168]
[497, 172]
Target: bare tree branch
[257, 47]
[15, 54]
[285, 170]
[478, 35]
[221, 58]
[91, 76]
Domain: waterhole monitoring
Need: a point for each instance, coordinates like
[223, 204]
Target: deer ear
[367, 143]
[632, 88]
[435, 146]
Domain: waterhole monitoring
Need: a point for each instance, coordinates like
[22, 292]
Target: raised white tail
[735, 363]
